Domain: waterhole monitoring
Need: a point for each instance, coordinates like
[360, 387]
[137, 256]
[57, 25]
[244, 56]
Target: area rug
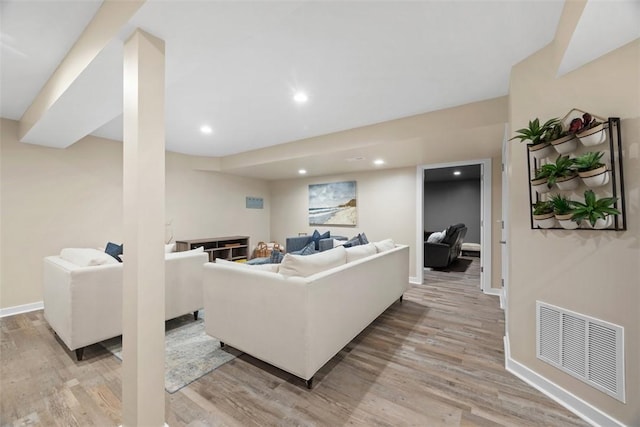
[190, 352]
[459, 265]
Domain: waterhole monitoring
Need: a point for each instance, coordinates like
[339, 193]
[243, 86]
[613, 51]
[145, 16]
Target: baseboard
[25, 308]
[493, 291]
[573, 403]
[414, 281]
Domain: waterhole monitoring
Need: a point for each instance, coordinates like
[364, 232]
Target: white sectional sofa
[83, 304]
[299, 323]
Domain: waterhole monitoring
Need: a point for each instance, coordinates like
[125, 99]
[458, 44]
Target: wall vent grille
[587, 348]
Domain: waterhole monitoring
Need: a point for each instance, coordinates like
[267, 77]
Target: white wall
[53, 198]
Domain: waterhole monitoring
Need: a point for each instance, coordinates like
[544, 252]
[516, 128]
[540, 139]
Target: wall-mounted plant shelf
[605, 138]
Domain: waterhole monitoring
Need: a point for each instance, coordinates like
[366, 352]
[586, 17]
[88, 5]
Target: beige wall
[52, 199]
[386, 207]
[596, 273]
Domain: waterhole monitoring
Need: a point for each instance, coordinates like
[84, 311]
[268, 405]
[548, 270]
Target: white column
[143, 394]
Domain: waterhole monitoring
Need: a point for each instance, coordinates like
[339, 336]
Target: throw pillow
[363, 239]
[307, 250]
[316, 237]
[436, 237]
[384, 245]
[260, 260]
[354, 241]
[304, 266]
[170, 247]
[360, 251]
[86, 257]
[276, 257]
[114, 250]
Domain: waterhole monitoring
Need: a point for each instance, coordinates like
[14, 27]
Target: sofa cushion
[384, 245]
[86, 257]
[360, 251]
[301, 265]
[114, 250]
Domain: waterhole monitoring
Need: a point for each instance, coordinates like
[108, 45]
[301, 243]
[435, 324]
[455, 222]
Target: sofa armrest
[436, 254]
[82, 304]
[259, 312]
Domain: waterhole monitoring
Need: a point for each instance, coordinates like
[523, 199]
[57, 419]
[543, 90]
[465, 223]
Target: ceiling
[235, 65]
[468, 172]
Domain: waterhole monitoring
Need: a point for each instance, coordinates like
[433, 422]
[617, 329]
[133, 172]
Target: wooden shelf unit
[231, 248]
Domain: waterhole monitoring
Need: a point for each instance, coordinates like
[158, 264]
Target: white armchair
[83, 305]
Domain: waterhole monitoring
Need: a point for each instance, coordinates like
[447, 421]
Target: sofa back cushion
[307, 265]
[384, 245]
[360, 251]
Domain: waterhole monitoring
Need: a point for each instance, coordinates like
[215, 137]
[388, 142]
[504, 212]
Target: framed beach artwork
[333, 203]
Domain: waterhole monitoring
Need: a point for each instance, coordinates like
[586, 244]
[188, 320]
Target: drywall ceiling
[235, 66]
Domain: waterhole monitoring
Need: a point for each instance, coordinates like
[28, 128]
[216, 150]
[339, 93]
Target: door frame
[485, 219]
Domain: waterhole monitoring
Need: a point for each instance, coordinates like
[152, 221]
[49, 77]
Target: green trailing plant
[593, 208]
[542, 207]
[562, 167]
[561, 204]
[535, 132]
[588, 161]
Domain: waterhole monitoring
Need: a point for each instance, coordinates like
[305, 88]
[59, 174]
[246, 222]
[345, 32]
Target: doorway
[484, 223]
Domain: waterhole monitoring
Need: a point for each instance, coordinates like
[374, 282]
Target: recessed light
[378, 162]
[206, 129]
[300, 97]
[302, 171]
[456, 173]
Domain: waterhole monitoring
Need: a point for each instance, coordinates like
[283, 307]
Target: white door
[504, 239]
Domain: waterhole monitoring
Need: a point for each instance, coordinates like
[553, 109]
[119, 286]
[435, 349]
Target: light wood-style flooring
[434, 359]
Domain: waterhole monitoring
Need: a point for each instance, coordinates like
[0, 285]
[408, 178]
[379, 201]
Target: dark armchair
[442, 254]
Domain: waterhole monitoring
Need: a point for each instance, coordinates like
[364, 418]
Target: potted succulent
[562, 140]
[563, 211]
[598, 212]
[537, 134]
[591, 169]
[588, 130]
[543, 214]
[540, 182]
[561, 173]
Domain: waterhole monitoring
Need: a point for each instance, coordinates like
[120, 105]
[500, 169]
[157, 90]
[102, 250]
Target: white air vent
[589, 349]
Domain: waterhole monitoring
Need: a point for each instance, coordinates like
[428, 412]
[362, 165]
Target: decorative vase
[568, 183]
[566, 222]
[540, 185]
[593, 136]
[540, 151]
[595, 177]
[566, 144]
[547, 220]
[600, 223]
